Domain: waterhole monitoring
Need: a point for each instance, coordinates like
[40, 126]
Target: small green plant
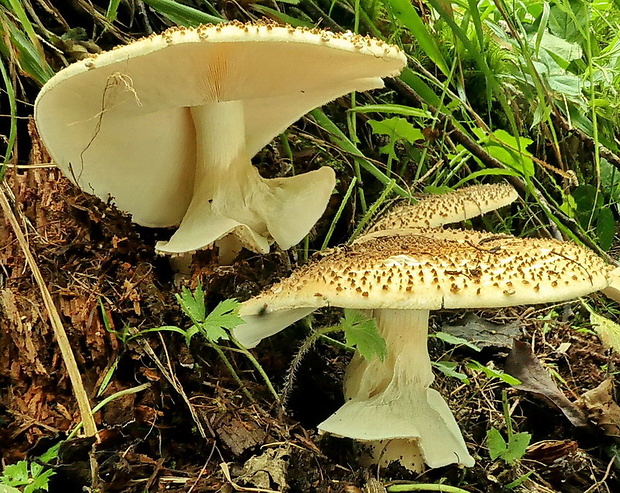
[509, 451]
[512, 449]
[360, 332]
[29, 476]
[215, 327]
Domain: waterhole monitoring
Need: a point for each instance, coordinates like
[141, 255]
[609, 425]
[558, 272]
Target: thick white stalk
[224, 181]
[390, 406]
[231, 197]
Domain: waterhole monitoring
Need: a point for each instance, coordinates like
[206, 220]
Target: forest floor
[181, 423]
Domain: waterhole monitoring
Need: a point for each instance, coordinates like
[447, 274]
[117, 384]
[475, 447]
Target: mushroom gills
[231, 197]
[391, 407]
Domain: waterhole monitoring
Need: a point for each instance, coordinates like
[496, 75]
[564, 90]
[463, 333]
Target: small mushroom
[435, 210]
[167, 126]
[401, 276]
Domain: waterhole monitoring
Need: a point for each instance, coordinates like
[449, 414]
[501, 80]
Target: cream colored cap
[438, 209]
[415, 271]
[120, 123]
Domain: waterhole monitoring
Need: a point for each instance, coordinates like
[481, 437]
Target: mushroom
[167, 126]
[435, 210]
[401, 276]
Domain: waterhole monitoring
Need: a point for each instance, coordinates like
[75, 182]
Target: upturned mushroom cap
[415, 271]
[436, 210]
[123, 123]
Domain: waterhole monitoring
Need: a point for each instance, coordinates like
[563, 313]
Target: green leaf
[455, 341]
[605, 228]
[607, 330]
[361, 332]
[16, 474]
[517, 445]
[508, 149]
[496, 444]
[193, 304]
[223, 318]
[509, 451]
[182, 14]
[448, 368]
[4, 488]
[489, 372]
[396, 129]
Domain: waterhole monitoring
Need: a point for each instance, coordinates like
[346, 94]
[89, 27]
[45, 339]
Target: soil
[190, 427]
[181, 422]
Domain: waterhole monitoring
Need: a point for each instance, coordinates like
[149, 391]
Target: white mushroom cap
[138, 122]
[416, 271]
[435, 210]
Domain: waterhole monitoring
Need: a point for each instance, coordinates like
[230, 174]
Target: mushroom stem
[230, 195]
[390, 405]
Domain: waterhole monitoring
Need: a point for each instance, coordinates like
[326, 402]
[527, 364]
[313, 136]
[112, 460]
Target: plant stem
[232, 371]
[425, 487]
[256, 365]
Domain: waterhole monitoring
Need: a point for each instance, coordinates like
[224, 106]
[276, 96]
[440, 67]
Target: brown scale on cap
[478, 270]
[439, 209]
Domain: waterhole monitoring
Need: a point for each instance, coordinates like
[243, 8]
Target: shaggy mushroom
[401, 276]
[433, 211]
[168, 124]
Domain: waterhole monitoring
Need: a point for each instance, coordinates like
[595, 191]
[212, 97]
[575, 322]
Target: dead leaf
[523, 364]
[266, 470]
[602, 409]
[484, 334]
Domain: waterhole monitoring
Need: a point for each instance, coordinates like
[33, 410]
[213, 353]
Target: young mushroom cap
[401, 275]
[168, 124]
[435, 210]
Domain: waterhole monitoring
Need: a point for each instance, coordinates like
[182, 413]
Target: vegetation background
[524, 91]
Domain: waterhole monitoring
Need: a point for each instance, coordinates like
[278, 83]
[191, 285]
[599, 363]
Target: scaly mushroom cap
[432, 270]
[436, 210]
[133, 122]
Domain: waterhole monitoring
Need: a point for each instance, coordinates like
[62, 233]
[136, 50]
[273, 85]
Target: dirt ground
[183, 423]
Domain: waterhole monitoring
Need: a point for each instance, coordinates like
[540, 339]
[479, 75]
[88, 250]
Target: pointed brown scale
[439, 209]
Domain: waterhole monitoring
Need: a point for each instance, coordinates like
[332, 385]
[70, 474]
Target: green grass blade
[405, 13]
[16, 7]
[182, 14]
[10, 90]
[397, 109]
[112, 10]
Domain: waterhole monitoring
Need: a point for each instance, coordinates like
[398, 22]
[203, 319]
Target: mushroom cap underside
[120, 124]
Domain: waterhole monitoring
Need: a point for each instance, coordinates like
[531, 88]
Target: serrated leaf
[496, 444]
[362, 333]
[517, 445]
[396, 129]
[193, 304]
[223, 318]
[16, 474]
[455, 341]
[4, 488]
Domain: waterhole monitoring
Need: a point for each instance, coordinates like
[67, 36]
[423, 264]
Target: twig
[90, 428]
